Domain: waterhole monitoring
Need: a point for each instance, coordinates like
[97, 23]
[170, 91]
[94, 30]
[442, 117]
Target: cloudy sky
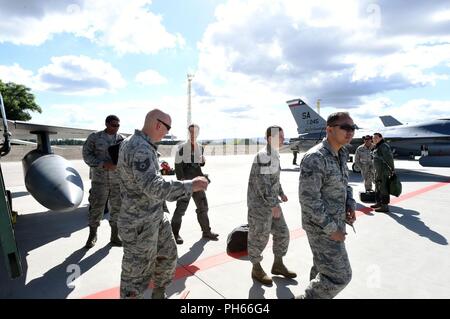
[86, 59]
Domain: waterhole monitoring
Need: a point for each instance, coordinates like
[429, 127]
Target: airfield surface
[403, 254]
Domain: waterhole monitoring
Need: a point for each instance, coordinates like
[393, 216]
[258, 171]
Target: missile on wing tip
[54, 183]
[435, 161]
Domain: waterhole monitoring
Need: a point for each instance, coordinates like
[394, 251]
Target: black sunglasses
[168, 127]
[347, 127]
[114, 125]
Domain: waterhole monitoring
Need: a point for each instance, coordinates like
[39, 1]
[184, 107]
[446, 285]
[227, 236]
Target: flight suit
[188, 164]
[383, 161]
[295, 148]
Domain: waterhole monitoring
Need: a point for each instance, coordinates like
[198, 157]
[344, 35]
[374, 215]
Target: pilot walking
[327, 205]
[383, 161]
[104, 179]
[149, 248]
[189, 161]
[363, 160]
[265, 217]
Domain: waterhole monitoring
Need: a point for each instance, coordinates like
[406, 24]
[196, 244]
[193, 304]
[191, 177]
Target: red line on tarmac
[222, 258]
[185, 294]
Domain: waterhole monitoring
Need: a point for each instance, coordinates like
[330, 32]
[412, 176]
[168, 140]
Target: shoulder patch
[142, 166]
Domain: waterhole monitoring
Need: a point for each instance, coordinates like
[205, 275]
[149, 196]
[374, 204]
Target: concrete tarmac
[402, 254]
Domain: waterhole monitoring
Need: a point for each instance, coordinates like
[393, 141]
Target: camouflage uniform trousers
[367, 173]
[202, 210]
[261, 225]
[331, 271]
[99, 194]
[382, 187]
[149, 252]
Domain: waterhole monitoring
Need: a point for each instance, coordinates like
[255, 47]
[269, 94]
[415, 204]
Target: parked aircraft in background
[389, 121]
[169, 140]
[429, 140]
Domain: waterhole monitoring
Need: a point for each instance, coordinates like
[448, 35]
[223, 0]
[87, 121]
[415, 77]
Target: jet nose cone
[54, 183]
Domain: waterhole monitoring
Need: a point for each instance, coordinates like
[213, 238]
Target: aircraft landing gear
[355, 168]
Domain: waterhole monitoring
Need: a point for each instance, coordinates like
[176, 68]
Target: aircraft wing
[25, 130]
[411, 136]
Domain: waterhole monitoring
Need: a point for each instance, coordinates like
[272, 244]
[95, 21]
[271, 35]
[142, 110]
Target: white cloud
[73, 75]
[131, 113]
[217, 120]
[442, 16]
[342, 51]
[256, 55]
[79, 75]
[126, 26]
[15, 73]
[215, 123]
[150, 77]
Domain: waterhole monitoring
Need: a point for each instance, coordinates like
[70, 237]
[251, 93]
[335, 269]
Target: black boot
[384, 208]
[92, 239]
[176, 233]
[115, 239]
[376, 205]
[203, 220]
[210, 235]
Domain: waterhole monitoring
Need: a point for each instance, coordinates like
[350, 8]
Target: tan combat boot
[259, 275]
[279, 268]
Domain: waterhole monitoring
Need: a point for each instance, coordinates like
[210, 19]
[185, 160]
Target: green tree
[18, 99]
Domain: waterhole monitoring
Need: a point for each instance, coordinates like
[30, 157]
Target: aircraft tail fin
[389, 121]
[308, 121]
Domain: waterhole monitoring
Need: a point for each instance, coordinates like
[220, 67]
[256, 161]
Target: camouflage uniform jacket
[324, 193]
[264, 186]
[363, 155]
[95, 153]
[143, 189]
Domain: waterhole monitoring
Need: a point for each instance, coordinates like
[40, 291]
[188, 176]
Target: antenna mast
[189, 110]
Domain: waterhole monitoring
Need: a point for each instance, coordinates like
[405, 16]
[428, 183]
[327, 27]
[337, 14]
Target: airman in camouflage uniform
[104, 179]
[383, 161]
[189, 161]
[363, 159]
[327, 204]
[149, 247]
[264, 212]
